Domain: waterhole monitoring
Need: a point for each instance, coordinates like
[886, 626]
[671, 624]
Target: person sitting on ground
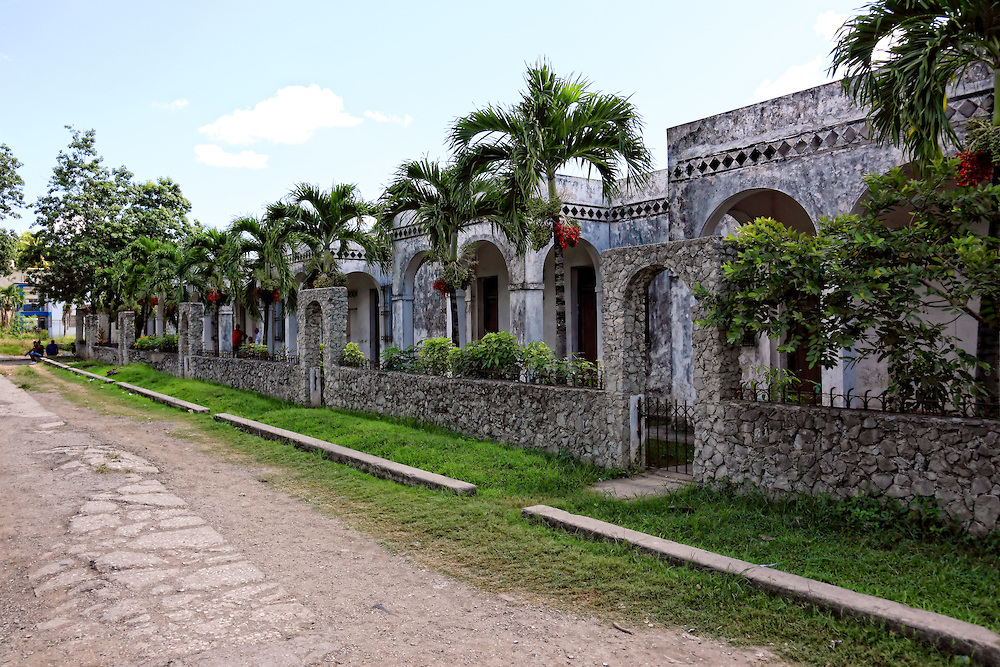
[36, 351]
[52, 350]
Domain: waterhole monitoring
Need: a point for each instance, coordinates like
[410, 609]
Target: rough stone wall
[104, 354]
[815, 450]
[553, 419]
[164, 362]
[277, 380]
[90, 326]
[126, 335]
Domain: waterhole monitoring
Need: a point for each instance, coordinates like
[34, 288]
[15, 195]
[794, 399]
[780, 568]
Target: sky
[239, 101]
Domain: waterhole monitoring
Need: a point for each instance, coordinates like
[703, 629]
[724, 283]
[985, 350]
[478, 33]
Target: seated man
[52, 350]
[36, 351]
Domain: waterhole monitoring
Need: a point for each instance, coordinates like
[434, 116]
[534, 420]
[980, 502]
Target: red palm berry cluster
[213, 296]
[442, 286]
[974, 169]
[566, 235]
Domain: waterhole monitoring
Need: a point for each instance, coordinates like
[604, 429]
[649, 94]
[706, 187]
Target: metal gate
[666, 430]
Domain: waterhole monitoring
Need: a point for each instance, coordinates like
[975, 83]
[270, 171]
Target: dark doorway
[490, 291]
[373, 328]
[585, 279]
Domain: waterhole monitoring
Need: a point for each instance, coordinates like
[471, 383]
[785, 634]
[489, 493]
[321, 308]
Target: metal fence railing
[666, 429]
[955, 406]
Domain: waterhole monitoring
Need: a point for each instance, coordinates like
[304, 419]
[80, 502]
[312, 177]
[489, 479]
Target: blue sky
[238, 101]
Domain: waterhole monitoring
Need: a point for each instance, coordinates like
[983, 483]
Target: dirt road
[121, 544]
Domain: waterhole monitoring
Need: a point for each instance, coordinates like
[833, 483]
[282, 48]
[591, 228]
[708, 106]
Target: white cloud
[292, 116]
[176, 105]
[795, 78]
[828, 23]
[215, 156]
[380, 117]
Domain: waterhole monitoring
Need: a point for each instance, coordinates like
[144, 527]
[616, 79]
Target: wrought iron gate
[666, 430]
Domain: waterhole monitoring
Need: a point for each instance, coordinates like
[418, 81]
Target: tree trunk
[559, 274]
[453, 301]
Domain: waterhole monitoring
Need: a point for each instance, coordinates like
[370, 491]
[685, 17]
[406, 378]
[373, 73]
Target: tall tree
[443, 200]
[328, 222]
[88, 214]
[11, 298]
[558, 122]
[11, 184]
[898, 58]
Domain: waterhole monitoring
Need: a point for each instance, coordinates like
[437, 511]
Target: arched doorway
[363, 313]
[583, 301]
[488, 295]
[729, 215]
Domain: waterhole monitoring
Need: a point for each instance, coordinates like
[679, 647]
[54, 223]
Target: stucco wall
[815, 450]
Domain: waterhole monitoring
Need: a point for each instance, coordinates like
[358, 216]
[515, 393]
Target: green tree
[443, 200]
[860, 284]
[265, 248]
[11, 184]
[88, 214]
[557, 122]
[10, 249]
[898, 58]
[328, 222]
[11, 298]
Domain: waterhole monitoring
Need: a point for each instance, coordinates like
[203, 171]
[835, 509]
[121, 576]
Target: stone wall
[275, 379]
[818, 450]
[103, 353]
[554, 419]
[164, 362]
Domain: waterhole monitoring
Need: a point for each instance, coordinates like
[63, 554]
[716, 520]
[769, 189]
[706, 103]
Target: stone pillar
[190, 320]
[463, 328]
[126, 335]
[158, 322]
[526, 312]
[206, 337]
[402, 320]
[322, 319]
[81, 332]
[90, 332]
[225, 331]
[292, 333]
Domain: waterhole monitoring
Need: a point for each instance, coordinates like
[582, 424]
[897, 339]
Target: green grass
[484, 539]
[17, 346]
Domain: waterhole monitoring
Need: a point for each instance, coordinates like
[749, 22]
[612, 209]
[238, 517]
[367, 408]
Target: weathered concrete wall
[816, 450]
[553, 419]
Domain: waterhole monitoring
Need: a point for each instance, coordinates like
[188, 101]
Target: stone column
[158, 322]
[291, 333]
[463, 327]
[190, 320]
[526, 314]
[322, 319]
[225, 332]
[402, 320]
[90, 332]
[126, 335]
[81, 332]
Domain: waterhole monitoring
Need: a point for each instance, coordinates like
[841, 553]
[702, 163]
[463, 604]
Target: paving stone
[178, 539]
[154, 499]
[218, 576]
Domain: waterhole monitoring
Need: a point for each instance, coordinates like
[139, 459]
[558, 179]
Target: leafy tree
[88, 214]
[899, 57]
[860, 284]
[10, 249]
[443, 200]
[11, 184]
[265, 268]
[11, 298]
[558, 122]
[328, 222]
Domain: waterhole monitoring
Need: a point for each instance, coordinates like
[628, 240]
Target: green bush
[434, 355]
[495, 356]
[168, 343]
[147, 343]
[352, 356]
[537, 360]
[401, 360]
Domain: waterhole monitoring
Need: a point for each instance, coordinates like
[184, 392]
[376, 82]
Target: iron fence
[666, 430]
[955, 406]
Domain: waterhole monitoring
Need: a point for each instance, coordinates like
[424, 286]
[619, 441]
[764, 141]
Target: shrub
[537, 360]
[147, 343]
[353, 356]
[434, 355]
[495, 356]
[401, 361]
[168, 343]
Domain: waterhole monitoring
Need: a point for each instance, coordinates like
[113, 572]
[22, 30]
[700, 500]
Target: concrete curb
[948, 634]
[92, 376]
[373, 465]
[163, 398]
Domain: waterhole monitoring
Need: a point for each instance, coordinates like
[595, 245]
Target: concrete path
[652, 482]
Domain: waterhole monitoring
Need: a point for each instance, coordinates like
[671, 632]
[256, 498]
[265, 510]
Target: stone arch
[310, 334]
[321, 321]
[583, 294]
[748, 205]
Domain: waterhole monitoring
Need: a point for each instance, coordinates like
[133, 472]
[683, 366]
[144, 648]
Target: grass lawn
[484, 540]
[16, 346]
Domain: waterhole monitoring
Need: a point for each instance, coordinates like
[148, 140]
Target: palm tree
[328, 222]
[931, 43]
[443, 201]
[11, 298]
[213, 256]
[133, 276]
[265, 248]
[558, 122]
